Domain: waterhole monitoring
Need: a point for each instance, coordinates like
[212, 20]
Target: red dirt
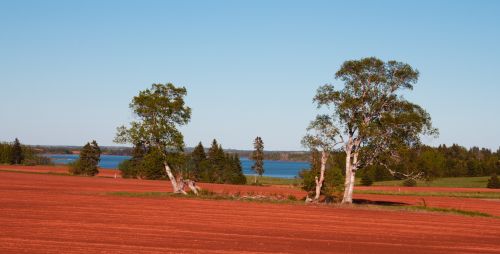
[60, 169]
[471, 204]
[42, 213]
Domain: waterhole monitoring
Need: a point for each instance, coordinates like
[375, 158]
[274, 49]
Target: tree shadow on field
[377, 202]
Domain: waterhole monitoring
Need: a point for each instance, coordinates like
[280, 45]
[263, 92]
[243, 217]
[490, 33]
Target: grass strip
[483, 195]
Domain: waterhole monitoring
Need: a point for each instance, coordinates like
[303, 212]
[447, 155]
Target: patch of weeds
[35, 173]
[450, 210]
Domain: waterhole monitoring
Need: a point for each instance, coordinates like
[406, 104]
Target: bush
[409, 182]
[333, 186]
[493, 182]
[128, 169]
[366, 180]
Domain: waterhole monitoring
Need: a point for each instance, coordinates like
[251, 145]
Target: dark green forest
[213, 166]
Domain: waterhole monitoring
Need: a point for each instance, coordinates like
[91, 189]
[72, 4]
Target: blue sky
[68, 69]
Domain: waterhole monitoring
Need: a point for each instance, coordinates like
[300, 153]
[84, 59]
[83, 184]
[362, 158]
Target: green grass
[266, 180]
[208, 195]
[486, 195]
[454, 182]
[448, 210]
[36, 173]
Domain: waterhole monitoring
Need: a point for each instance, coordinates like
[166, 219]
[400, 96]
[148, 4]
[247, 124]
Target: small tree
[17, 153]
[90, 155]
[493, 182]
[160, 111]
[322, 137]
[332, 186]
[258, 157]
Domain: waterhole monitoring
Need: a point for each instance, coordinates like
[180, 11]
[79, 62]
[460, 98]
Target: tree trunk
[173, 180]
[350, 177]
[192, 185]
[347, 181]
[319, 182]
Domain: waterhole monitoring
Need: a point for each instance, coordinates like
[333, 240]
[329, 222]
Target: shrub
[128, 169]
[493, 182]
[333, 186]
[409, 182]
[366, 180]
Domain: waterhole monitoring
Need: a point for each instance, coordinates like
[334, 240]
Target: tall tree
[258, 157]
[17, 153]
[198, 156]
[371, 115]
[160, 111]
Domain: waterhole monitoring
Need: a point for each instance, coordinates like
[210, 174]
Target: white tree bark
[173, 180]
[192, 185]
[319, 182]
[347, 183]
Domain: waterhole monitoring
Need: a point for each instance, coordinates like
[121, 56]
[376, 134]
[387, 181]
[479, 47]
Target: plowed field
[41, 213]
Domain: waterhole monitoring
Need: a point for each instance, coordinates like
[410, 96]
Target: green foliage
[89, 159]
[5, 153]
[410, 182]
[195, 163]
[220, 167]
[366, 180]
[333, 186]
[17, 153]
[160, 111]
[453, 182]
[493, 182]
[258, 157]
[21, 154]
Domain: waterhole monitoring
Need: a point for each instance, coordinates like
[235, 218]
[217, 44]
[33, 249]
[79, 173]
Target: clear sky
[68, 69]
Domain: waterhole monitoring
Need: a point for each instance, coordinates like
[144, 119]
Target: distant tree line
[70, 149]
[213, 166]
[442, 161]
[18, 154]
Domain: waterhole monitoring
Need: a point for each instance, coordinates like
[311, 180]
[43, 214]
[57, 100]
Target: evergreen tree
[238, 169]
[90, 155]
[130, 168]
[258, 157]
[195, 162]
[17, 153]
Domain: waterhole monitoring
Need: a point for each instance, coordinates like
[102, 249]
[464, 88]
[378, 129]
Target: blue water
[283, 169]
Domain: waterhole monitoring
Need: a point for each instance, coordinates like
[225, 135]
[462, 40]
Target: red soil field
[41, 213]
[490, 206]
